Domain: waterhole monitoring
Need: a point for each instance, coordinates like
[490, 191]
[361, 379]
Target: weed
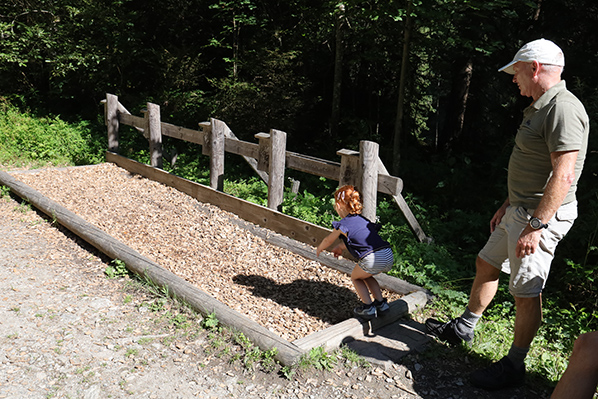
[4, 192]
[210, 322]
[317, 358]
[117, 268]
[131, 352]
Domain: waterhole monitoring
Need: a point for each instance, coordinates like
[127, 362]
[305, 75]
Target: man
[581, 377]
[545, 165]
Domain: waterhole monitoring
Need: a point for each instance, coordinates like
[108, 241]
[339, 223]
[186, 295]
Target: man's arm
[563, 175]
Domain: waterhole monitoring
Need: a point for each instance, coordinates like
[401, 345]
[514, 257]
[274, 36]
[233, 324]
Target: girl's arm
[328, 241]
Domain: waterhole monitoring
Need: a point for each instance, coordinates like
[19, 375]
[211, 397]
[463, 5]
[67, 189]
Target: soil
[69, 331]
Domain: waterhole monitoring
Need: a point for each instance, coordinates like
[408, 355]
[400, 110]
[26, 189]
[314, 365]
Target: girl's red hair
[349, 196]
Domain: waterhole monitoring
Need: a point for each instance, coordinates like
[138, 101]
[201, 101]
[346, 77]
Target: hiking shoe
[446, 331]
[499, 375]
[365, 311]
[381, 306]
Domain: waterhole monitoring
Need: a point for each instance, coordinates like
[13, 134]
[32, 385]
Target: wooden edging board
[287, 353]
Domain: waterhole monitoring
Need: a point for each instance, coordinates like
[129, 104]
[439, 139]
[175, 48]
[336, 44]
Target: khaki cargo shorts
[528, 275]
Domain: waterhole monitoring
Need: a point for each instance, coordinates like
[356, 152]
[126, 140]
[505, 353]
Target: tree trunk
[335, 115]
[398, 130]
[457, 103]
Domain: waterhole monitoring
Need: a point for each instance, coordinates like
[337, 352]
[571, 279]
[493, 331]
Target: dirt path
[68, 331]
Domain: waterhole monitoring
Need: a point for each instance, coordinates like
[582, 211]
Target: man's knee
[485, 270]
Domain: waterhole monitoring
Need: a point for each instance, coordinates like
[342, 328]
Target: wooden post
[278, 144]
[111, 119]
[349, 170]
[263, 159]
[368, 159]
[155, 134]
[215, 146]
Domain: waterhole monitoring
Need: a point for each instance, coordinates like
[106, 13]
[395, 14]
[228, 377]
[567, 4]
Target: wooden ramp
[350, 331]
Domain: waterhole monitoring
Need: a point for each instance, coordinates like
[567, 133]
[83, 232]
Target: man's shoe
[499, 375]
[446, 331]
[365, 311]
[381, 306]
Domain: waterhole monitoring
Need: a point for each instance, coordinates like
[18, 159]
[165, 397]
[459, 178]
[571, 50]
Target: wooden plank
[312, 165]
[132, 120]
[177, 287]
[286, 225]
[332, 337]
[182, 133]
[244, 148]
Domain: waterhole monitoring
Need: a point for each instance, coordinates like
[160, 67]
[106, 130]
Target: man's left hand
[528, 242]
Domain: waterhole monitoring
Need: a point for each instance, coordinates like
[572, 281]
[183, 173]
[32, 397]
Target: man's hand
[528, 242]
[495, 221]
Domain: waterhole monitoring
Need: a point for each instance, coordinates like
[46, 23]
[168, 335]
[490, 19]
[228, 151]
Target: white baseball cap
[541, 50]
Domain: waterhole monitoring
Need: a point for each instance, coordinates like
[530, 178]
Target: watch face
[535, 223]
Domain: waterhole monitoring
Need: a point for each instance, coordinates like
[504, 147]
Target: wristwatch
[537, 224]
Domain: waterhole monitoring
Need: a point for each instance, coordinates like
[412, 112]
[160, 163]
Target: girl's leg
[359, 278]
[374, 288]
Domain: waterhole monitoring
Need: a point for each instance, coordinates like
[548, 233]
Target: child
[360, 237]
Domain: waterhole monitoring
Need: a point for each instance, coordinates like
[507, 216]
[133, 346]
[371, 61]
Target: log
[112, 121]
[216, 148]
[368, 185]
[278, 143]
[155, 134]
[287, 353]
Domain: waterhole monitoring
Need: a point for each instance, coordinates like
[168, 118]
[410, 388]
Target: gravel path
[68, 331]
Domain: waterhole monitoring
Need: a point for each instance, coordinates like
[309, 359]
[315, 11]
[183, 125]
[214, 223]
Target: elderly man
[545, 165]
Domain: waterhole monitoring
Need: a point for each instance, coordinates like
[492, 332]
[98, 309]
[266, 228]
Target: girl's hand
[337, 251]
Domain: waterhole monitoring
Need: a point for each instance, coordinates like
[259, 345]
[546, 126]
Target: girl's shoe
[381, 306]
[365, 311]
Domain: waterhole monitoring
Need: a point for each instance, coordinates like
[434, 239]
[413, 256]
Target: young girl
[360, 237]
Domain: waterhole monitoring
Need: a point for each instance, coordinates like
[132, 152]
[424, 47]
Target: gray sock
[517, 356]
[467, 323]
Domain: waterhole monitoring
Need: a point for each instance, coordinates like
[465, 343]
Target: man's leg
[528, 317]
[484, 286]
[581, 377]
[483, 290]
[510, 370]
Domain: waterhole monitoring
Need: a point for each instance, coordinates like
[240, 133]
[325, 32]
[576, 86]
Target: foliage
[117, 268]
[29, 140]
[318, 358]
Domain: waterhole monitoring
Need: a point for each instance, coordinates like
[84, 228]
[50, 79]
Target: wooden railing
[268, 157]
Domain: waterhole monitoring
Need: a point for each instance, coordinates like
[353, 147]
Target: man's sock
[467, 324]
[517, 356]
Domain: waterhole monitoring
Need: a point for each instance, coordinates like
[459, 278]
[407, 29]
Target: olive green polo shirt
[557, 121]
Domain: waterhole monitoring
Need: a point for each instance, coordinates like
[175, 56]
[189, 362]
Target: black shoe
[446, 331]
[381, 306]
[365, 311]
[499, 375]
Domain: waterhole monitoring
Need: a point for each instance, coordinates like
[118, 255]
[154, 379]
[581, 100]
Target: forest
[418, 77]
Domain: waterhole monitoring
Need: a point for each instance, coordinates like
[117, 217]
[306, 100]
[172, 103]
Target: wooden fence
[268, 157]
